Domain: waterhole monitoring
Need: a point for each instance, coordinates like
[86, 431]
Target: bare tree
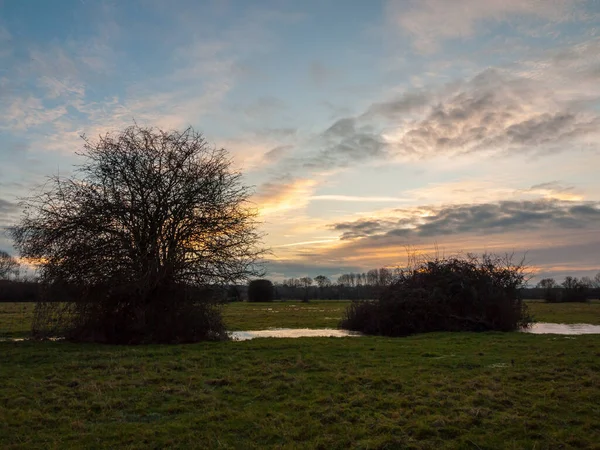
[547, 283]
[597, 280]
[148, 216]
[322, 281]
[9, 266]
[306, 282]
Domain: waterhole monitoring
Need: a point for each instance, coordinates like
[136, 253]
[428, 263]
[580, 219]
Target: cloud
[355, 198]
[276, 153]
[555, 190]
[399, 107]
[344, 144]
[428, 22]
[486, 218]
[495, 111]
[283, 195]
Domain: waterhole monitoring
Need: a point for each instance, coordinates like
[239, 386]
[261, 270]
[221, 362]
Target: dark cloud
[480, 219]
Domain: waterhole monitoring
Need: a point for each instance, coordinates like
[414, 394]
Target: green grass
[439, 390]
[290, 314]
[443, 390]
[15, 318]
[566, 312]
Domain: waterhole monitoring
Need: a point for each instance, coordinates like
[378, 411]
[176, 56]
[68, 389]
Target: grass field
[15, 318]
[460, 390]
[438, 390]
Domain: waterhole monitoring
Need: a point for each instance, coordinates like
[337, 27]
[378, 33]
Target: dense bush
[454, 294]
[113, 315]
[260, 291]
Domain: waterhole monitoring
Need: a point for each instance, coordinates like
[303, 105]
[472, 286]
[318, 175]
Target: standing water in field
[562, 328]
[291, 333]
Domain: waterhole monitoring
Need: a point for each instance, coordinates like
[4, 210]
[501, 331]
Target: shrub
[113, 315]
[454, 294]
[260, 291]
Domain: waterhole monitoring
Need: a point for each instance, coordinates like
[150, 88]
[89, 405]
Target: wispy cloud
[355, 198]
[428, 22]
[277, 197]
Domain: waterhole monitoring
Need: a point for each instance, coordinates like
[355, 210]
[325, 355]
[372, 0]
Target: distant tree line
[572, 289]
[348, 286]
[352, 286]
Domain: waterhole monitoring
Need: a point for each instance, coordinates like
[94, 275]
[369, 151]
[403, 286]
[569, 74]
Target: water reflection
[563, 328]
[291, 333]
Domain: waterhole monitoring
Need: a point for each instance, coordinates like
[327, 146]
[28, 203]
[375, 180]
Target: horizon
[365, 129]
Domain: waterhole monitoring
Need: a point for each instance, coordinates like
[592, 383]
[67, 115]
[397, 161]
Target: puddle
[28, 339]
[537, 328]
[291, 333]
[563, 328]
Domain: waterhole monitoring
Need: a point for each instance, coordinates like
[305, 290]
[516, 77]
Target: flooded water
[537, 328]
[291, 333]
[563, 328]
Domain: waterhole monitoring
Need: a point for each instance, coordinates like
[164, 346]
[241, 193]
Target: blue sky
[365, 127]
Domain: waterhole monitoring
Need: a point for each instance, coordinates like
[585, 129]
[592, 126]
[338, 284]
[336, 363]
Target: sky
[367, 129]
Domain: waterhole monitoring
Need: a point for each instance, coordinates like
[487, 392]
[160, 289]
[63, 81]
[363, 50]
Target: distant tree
[551, 292]
[373, 277]
[597, 280]
[306, 282]
[260, 291]
[343, 280]
[9, 266]
[149, 224]
[574, 290]
[587, 282]
[547, 283]
[322, 281]
[292, 283]
[352, 277]
[385, 276]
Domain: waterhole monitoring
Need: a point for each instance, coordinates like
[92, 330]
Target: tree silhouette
[147, 226]
[8, 266]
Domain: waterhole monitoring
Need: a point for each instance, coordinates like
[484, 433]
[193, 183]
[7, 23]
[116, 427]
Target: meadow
[15, 318]
[437, 390]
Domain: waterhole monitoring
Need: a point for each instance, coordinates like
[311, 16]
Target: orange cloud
[273, 198]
